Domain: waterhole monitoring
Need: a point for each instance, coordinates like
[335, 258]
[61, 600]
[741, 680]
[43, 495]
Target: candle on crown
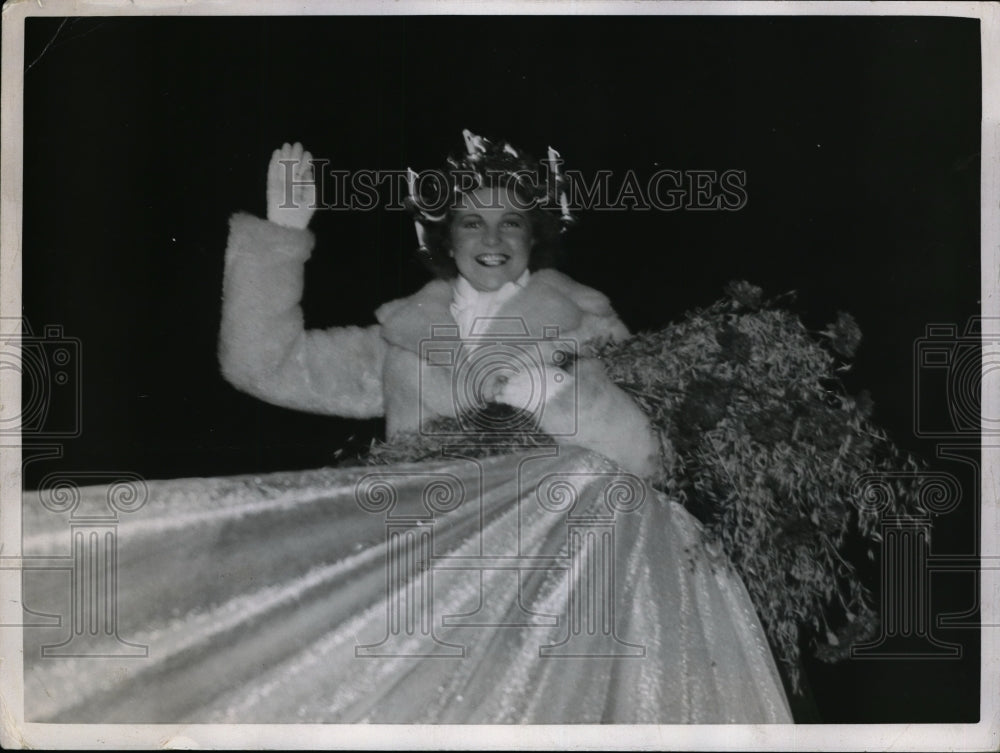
[473, 143]
[411, 183]
[421, 234]
[554, 162]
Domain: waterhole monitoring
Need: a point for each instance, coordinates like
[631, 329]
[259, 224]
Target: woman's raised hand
[291, 187]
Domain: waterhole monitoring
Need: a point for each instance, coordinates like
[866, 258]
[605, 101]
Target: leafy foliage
[437, 436]
[770, 447]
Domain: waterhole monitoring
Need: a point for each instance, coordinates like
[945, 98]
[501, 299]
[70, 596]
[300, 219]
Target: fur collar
[549, 299]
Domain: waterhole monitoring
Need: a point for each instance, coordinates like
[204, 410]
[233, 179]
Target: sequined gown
[525, 588]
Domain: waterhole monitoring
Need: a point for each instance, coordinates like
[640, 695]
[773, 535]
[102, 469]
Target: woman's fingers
[290, 154]
[291, 190]
[294, 154]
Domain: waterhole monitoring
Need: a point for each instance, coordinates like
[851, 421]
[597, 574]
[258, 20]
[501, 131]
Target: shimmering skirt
[545, 586]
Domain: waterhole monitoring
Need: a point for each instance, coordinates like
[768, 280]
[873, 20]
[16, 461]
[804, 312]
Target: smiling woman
[383, 369]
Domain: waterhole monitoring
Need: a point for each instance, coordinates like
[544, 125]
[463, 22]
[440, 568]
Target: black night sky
[859, 137]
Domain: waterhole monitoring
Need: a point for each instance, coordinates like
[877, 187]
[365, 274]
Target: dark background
[859, 137]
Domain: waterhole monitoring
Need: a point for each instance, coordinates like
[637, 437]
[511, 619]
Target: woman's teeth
[492, 260]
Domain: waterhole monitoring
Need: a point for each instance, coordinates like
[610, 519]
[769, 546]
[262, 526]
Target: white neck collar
[470, 304]
[464, 290]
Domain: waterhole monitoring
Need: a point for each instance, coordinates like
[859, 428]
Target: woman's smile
[493, 260]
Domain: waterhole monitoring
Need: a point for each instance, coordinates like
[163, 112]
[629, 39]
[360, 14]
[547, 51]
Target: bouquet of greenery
[769, 449]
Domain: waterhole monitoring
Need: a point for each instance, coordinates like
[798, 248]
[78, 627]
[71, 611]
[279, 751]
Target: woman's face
[491, 238]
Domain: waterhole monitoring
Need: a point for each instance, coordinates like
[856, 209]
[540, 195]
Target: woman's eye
[512, 224]
[470, 224]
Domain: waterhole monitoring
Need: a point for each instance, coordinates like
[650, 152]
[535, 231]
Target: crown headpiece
[489, 162]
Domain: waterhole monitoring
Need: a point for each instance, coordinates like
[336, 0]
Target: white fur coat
[401, 367]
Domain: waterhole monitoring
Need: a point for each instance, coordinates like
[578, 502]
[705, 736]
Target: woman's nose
[491, 235]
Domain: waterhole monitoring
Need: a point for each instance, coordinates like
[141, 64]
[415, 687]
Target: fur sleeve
[264, 349]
